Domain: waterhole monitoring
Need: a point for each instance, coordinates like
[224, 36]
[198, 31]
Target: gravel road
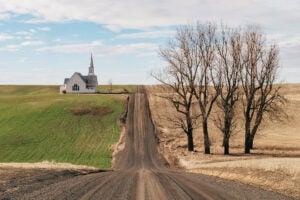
[141, 173]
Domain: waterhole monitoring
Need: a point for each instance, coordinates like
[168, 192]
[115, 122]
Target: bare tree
[206, 87]
[205, 64]
[229, 48]
[181, 57]
[258, 76]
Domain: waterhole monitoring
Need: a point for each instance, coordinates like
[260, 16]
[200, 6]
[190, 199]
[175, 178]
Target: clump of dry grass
[271, 163]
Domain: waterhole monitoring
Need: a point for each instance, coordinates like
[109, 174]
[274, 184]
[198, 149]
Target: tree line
[215, 65]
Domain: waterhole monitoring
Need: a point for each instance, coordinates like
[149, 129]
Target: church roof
[66, 80]
[92, 62]
[90, 80]
[81, 76]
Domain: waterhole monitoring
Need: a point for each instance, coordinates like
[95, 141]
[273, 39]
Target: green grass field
[37, 124]
[117, 88]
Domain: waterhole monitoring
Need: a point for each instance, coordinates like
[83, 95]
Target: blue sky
[44, 41]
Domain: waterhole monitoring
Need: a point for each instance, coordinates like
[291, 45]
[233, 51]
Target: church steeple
[91, 68]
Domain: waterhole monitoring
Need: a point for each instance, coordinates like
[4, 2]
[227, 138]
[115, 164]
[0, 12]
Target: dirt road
[141, 173]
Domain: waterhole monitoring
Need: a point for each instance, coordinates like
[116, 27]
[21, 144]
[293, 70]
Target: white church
[81, 84]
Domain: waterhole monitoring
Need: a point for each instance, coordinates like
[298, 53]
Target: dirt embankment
[273, 164]
[120, 145]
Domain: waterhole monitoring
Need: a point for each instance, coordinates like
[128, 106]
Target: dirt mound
[100, 111]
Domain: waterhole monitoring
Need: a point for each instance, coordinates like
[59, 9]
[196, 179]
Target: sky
[44, 41]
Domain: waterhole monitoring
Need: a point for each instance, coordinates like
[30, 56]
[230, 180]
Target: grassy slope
[117, 88]
[36, 124]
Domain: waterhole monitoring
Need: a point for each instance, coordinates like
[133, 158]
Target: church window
[75, 87]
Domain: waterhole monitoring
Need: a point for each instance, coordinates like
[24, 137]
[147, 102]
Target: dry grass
[46, 165]
[272, 164]
[277, 180]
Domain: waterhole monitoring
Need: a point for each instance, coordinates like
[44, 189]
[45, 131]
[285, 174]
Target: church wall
[76, 79]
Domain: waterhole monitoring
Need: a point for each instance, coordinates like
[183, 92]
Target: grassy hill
[117, 88]
[37, 124]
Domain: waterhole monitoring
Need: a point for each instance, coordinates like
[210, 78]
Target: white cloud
[26, 33]
[44, 28]
[138, 49]
[149, 13]
[4, 16]
[4, 37]
[147, 34]
[22, 60]
[16, 47]
[23, 33]
[32, 43]
[72, 48]
[39, 69]
[100, 49]
[113, 27]
[10, 47]
[284, 40]
[57, 40]
[275, 15]
[31, 77]
[280, 20]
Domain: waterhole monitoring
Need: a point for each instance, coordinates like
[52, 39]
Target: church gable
[78, 77]
[75, 84]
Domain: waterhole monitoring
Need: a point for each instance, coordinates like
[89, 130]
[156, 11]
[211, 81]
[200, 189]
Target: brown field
[273, 163]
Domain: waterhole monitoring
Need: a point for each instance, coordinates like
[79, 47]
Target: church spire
[91, 68]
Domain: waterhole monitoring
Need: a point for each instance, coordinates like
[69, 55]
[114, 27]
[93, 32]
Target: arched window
[75, 87]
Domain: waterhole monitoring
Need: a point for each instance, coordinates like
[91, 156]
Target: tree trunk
[251, 141]
[253, 132]
[226, 146]
[190, 133]
[247, 143]
[206, 137]
[190, 141]
[247, 134]
[226, 137]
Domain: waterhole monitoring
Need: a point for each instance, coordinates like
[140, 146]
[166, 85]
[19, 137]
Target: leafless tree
[205, 63]
[229, 49]
[206, 88]
[258, 76]
[179, 75]
[191, 59]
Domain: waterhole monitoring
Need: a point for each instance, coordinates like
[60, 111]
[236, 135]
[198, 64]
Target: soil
[101, 111]
[140, 172]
